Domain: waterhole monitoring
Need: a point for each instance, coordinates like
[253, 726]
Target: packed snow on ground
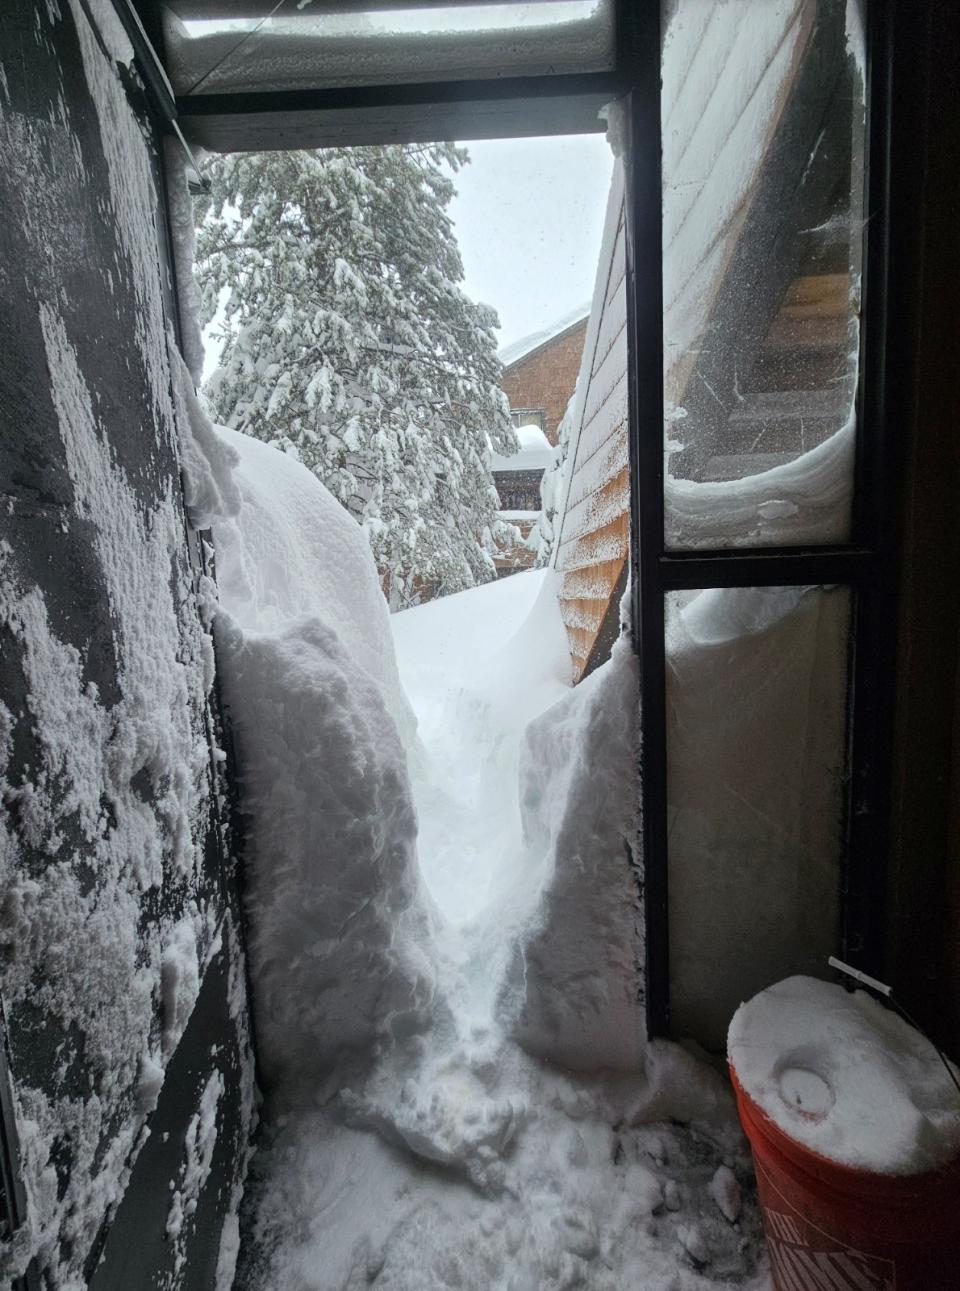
[410, 893]
[847, 1077]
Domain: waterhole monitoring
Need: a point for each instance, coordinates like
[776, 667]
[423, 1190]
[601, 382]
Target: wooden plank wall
[592, 543]
[725, 84]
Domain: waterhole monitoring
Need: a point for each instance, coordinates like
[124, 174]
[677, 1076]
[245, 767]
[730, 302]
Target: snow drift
[578, 969]
[419, 1144]
[755, 719]
[339, 923]
[410, 1139]
[295, 554]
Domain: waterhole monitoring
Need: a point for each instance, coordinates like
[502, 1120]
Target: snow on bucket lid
[846, 1077]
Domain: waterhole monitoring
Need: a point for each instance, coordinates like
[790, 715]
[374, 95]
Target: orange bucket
[831, 1227]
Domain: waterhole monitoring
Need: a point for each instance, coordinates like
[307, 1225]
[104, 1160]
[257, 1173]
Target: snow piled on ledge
[416, 894]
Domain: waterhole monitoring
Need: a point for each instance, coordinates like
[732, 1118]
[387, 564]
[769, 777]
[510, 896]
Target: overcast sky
[529, 217]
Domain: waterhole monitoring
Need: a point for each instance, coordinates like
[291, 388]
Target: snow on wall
[111, 903]
[200, 1142]
[180, 203]
[209, 489]
[339, 923]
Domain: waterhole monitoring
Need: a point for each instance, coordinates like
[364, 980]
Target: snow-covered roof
[517, 350]
[535, 453]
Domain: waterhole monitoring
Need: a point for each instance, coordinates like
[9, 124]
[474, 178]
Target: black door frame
[867, 564]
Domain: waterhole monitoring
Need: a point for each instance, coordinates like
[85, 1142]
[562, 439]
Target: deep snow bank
[527, 799]
[447, 1155]
[295, 554]
[478, 667]
[756, 682]
[339, 925]
[577, 971]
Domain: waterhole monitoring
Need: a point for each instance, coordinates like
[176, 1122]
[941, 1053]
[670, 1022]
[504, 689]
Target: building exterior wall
[121, 972]
[518, 490]
[520, 502]
[592, 542]
[545, 378]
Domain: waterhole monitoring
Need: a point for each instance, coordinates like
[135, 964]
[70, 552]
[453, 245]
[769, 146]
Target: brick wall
[545, 377]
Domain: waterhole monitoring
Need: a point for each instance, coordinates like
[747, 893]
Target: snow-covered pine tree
[349, 343]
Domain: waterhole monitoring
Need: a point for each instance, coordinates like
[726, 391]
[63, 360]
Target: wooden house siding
[756, 327]
[593, 542]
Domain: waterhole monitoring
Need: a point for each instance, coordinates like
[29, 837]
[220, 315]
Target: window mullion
[644, 242]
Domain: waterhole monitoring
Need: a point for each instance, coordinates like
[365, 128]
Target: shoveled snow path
[460, 679]
[459, 1161]
[475, 681]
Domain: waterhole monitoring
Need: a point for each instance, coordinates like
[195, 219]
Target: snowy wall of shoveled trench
[120, 968]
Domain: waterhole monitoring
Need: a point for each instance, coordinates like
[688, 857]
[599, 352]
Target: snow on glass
[756, 710]
[763, 126]
[292, 45]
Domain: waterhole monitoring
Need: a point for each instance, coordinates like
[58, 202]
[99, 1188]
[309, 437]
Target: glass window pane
[226, 46]
[763, 127]
[756, 750]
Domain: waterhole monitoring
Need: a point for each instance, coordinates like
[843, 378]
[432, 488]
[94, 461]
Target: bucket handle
[887, 992]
